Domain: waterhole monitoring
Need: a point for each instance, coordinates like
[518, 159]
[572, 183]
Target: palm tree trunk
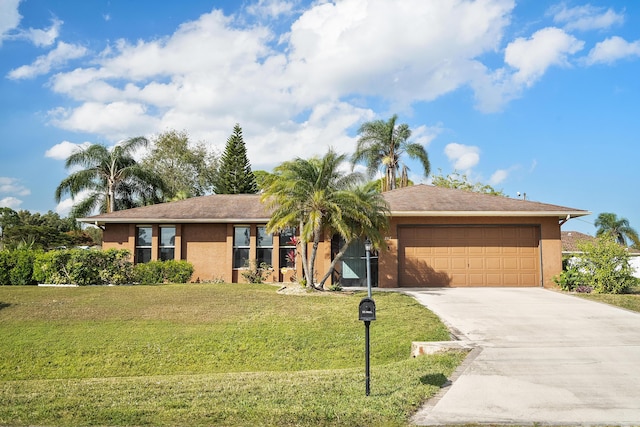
[337, 258]
[312, 261]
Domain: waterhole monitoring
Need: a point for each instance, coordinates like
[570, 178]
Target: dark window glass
[143, 244]
[167, 243]
[241, 244]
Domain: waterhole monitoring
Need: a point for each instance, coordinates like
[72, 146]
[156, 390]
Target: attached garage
[441, 237]
[464, 256]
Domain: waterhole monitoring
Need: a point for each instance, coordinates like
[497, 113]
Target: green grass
[630, 301]
[210, 355]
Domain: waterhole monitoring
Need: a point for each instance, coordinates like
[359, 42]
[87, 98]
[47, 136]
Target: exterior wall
[550, 243]
[209, 247]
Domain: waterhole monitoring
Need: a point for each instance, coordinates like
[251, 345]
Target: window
[167, 243]
[143, 244]
[264, 248]
[241, 246]
[288, 248]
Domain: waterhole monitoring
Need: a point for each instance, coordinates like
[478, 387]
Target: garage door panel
[469, 256]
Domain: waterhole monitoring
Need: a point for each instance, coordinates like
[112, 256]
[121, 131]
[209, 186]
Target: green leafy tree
[459, 181]
[604, 265]
[112, 178]
[186, 169]
[619, 228]
[319, 199]
[235, 175]
[39, 231]
[382, 144]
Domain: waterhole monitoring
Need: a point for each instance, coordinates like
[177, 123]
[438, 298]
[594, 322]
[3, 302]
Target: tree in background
[234, 175]
[39, 231]
[318, 199]
[382, 144]
[187, 170]
[112, 179]
[461, 182]
[608, 223]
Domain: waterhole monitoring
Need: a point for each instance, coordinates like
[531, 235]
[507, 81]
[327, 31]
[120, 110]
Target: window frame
[285, 248]
[162, 246]
[262, 248]
[143, 252]
[246, 249]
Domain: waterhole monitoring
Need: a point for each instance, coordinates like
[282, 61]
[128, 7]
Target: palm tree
[317, 198]
[618, 228]
[382, 144]
[112, 178]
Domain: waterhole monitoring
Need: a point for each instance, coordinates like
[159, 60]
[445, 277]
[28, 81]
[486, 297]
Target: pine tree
[235, 175]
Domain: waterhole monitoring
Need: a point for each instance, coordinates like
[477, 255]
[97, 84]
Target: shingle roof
[436, 201]
[213, 208]
[571, 239]
[418, 200]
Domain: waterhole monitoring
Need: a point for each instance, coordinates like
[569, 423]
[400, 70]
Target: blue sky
[531, 96]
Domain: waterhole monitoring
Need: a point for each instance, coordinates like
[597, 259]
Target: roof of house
[214, 208]
[428, 200]
[571, 239]
[418, 200]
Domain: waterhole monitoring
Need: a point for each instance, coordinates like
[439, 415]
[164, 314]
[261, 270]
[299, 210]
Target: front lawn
[630, 301]
[210, 355]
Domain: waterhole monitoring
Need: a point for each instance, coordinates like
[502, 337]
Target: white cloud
[422, 50]
[585, 18]
[271, 8]
[65, 206]
[43, 64]
[463, 157]
[118, 119]
[612, 50]
[9, 17]
[45, 37]
[10, 202]
[64, 149]
[409, 51]
[532, 57]
[498, 176]
[13, 186]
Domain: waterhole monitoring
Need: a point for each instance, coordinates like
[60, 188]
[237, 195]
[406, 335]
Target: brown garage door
[469, 256]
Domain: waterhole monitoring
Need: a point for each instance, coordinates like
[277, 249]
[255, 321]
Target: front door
[352, 269]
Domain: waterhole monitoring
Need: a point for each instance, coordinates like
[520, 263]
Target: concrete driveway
[540, 357]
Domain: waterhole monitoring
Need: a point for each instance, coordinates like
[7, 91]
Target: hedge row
[87, 267]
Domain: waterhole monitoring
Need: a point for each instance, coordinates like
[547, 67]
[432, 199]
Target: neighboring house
[571, 239]
[437, 237]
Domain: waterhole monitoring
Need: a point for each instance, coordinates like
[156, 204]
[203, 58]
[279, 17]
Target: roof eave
[528, 214]
[102, 221]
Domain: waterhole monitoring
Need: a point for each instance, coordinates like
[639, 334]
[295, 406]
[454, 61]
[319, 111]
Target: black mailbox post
[367, 313]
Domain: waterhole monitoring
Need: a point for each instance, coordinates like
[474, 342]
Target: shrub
[569, 279]
[175, 271]
[171, 271]
[6, 264]
[255, 273]
[22, 271]
[604, 266]
[84, 267]
[51, 267]
[117, 269]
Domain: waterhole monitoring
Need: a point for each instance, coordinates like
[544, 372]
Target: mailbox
[367, 310]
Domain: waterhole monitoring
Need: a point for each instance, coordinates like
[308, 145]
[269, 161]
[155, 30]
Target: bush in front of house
[170, 271]
[256, 273]
[16, 267]
[603, 266]
[84, 267]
